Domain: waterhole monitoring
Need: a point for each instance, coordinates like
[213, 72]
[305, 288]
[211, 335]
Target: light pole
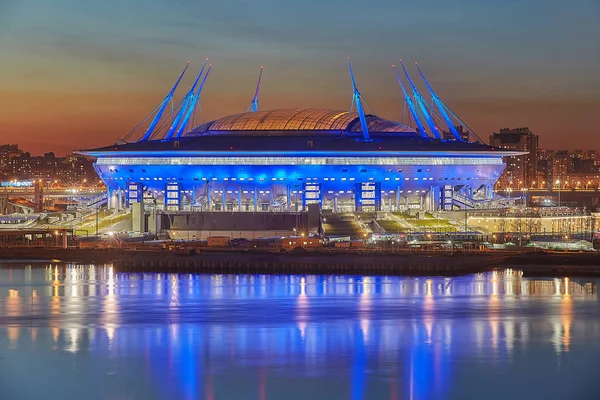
[558, 183]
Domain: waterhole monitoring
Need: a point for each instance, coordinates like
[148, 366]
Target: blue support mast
[357, 99]
[411, 105]
[164, 104]
[193, 103]
[186, 102]
[421, 103]
[254, 104]
[441, 106]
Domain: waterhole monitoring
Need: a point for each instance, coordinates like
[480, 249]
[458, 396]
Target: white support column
[255, 199]
[270, 198]
[208, 187]
[223, 199]
[398, 205]
[288, 200]
[240, 198]
[108, 198]
[120, 199]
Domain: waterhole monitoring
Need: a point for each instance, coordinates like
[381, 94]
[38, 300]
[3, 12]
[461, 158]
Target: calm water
[86, 332]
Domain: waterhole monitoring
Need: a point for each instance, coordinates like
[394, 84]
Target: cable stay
[441, 106]
[140, 124]
[193, 102]
[163, 105]
[165, 123]
[419, 99]
[253, 107]
[357, 100]
[408, 101]
[186, 102]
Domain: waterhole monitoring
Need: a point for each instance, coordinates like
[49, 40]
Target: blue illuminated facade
[286, 159]
[224, 166]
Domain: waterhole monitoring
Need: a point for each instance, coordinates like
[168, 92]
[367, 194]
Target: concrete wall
[237, 221]
[198, 235]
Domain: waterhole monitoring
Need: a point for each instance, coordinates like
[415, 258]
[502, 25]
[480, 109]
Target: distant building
[561, 165]
[521, 171]
[20, 165]
[464, 134]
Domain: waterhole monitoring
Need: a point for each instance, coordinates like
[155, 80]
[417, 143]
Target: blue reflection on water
[90, 332]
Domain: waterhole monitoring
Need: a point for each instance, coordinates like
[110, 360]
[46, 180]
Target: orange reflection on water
[566, 312]
[13, 309]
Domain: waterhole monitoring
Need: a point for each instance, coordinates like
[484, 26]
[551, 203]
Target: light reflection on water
[88, 332]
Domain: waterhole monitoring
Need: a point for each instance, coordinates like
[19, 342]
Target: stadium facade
[286, 159]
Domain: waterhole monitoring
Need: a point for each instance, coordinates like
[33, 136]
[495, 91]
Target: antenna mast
[441, 106]
[411, 105]
[164, 104]
[357, 99]
[253, 107]
[193, 103]
[420, 102]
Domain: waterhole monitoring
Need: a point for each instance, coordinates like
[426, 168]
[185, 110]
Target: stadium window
[400, 170]
[143, 170]
[195, 179]
[363, 170]
[428, 170]
[345, 170]
[419, 170]
[130, 170]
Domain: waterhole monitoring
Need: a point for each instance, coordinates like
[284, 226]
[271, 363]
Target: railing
[95, 201]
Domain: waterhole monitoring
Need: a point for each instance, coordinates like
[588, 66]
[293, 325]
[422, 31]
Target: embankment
[229, 261]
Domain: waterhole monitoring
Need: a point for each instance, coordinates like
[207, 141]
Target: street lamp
[558, 183]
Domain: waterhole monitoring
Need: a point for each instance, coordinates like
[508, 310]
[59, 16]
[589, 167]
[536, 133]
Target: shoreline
[234, 261]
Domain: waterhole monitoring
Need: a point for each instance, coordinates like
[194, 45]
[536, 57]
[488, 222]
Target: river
[87, 332]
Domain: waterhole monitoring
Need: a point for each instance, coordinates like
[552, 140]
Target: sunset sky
[78, 74]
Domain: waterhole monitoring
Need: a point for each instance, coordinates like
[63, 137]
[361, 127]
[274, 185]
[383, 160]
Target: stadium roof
[299, 119]
[304, 130]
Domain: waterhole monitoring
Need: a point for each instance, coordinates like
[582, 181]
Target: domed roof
[299, 119]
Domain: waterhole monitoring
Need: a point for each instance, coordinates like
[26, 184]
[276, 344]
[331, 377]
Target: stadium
[284, 160]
